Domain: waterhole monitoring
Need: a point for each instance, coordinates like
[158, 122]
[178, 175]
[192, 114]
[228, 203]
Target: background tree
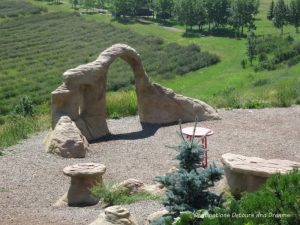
[123, 7]
[209, 5]
[251, 47]
[186, 12]
[294, 14]
[280, 15]
[200, 13]
[242, 14]
[271, 11]
[164, 8]
[220, 12]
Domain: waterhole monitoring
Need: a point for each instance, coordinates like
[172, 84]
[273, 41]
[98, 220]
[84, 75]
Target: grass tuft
[111, 195]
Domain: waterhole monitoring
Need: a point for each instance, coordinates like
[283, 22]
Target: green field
[37, 49]
[226, 84]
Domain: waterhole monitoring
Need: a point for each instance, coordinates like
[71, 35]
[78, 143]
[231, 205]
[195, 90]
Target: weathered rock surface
[82, 96]
[115, 215]
[66, 140]
[134, 186]
[84, 176]
[156, 215]
[249, 173]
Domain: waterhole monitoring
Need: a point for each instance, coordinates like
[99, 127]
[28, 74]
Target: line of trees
[282, 14]
[217, 13]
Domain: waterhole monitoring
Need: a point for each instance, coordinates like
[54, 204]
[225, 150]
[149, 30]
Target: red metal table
[201, 133]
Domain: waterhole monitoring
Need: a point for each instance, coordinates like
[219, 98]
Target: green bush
[111, 195]
[275, 51]
[276, 202]
[24, 107]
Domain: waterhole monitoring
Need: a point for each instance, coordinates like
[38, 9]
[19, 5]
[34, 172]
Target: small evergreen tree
[271, 11]
[294, 14]
[187, 189]
[280, 15]
[251, 47]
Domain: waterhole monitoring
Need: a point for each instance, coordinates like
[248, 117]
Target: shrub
[188, 188]
[276, 202]
[244, 63]
[24, 107]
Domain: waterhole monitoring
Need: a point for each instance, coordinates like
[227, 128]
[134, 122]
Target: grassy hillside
[37, 49]
[225, 84]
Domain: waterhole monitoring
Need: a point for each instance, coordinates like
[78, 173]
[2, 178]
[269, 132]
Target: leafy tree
[209, 5]
[242, 14]
[187, 188]
[164, 8]
[280, 15]
[186, 12]
[123, 7]
[74, 3]
[251, 47]
[221, 12]
[294, 13]
[200, 13]
[271, 11]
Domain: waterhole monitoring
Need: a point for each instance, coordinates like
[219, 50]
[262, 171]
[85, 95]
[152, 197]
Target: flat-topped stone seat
[84, 176]
[249, 173]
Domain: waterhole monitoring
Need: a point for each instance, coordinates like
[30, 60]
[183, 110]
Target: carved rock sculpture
[249, 173]
[82, 96]
[115, 215]
[84, 176]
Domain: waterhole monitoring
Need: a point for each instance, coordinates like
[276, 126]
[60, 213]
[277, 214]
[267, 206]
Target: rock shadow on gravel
[147, 131]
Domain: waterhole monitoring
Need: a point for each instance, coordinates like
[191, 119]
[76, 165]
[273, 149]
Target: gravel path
[31, 181]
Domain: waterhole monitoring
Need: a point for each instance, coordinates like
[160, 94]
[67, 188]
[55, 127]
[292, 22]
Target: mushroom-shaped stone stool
[84, 176]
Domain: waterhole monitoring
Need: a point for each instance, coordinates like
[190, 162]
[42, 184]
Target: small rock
[115, 215]
[156, 215]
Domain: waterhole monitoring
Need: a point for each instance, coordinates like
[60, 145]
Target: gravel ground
[31, 181]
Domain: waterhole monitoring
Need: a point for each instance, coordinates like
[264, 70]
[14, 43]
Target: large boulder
[115, 215]
[66, 140]
[249, 173]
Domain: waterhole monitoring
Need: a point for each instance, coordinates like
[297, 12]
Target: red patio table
[202, 133]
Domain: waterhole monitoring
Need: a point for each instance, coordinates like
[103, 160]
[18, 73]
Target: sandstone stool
[84, 176]
[249, 173]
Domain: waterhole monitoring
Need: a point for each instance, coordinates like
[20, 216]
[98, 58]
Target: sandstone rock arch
[82, 96]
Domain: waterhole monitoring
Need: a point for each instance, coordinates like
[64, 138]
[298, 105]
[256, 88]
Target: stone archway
[81, 97]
